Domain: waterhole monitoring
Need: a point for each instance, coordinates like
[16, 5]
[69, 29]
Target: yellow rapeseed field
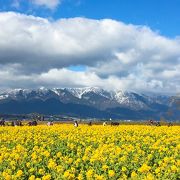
[95, 152]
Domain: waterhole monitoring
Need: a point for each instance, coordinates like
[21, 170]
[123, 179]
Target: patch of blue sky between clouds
[78, 68]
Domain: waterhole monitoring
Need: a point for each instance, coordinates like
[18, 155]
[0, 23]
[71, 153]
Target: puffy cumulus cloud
[68, 78]
[36, 52]
[52, 4]
[58, 78]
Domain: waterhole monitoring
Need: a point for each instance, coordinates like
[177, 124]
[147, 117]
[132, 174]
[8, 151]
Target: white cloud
[116, 55]
[51, 4]
[67, 78]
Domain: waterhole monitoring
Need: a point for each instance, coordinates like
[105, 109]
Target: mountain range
[91, 102]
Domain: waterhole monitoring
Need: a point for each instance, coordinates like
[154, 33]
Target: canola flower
[96, 152]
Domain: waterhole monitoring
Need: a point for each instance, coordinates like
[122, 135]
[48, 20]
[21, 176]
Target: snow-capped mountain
[90, 95]
[107, 103]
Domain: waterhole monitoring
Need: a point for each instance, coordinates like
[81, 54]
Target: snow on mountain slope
[78, 92]
[130, 100]
[92, 96]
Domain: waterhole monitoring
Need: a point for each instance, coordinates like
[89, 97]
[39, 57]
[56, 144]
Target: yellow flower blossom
[32, 177]
[133, 174]
[124, 169]
[89, 173]
[144, 168]
[46, 177]
[64, 152]
[111, 173]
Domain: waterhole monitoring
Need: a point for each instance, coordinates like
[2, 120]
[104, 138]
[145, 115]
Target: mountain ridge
[99, 102]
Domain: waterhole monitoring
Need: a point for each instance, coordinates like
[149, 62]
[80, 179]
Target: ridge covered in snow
[88, 95]
[90, 102]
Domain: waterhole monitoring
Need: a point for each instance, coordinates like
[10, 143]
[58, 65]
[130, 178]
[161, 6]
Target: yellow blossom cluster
[89, 152]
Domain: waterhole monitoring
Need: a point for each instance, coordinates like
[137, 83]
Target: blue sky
[160, 15]
[112, 44]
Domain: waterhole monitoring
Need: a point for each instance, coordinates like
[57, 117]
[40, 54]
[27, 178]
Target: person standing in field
[50, 123]
[75, 124]
[104, 123]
